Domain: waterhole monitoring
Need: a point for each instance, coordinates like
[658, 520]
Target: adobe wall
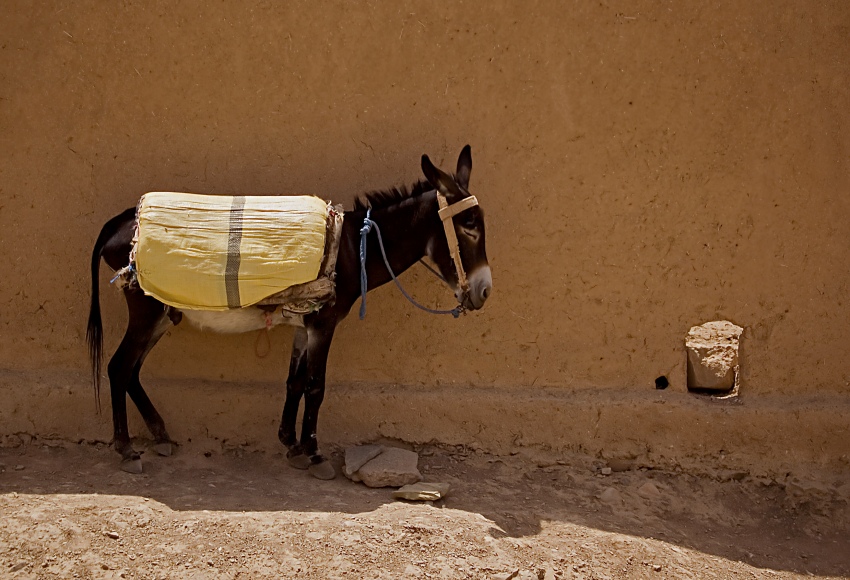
[644, 167]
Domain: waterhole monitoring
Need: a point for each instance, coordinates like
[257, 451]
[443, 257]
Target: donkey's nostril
[485, 293]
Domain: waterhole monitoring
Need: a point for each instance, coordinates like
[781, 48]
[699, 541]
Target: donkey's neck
[406, 228]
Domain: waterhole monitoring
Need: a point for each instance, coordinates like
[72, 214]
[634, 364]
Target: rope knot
[367, 223]
[367, 227]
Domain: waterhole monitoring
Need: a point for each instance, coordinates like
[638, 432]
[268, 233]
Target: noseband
[446, 213]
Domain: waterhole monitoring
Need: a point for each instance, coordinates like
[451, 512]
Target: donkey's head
[468, 226]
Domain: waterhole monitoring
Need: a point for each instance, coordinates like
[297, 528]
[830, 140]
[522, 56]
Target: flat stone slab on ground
[392, 468]
[357, 456]
[423, 491]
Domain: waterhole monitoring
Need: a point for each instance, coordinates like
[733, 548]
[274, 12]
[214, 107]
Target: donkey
[411, 227]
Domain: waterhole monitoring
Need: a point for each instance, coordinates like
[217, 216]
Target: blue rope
[126, 270]
[364, 231]
[368, 224]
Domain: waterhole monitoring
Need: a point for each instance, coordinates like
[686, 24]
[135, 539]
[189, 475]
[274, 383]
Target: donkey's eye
[470, 230]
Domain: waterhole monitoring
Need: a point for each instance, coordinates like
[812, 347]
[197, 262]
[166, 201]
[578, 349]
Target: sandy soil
[67, 511]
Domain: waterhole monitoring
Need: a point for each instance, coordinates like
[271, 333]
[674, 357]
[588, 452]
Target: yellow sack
[211, 252]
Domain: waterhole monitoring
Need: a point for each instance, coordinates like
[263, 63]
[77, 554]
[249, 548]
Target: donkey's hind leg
[144, 327]
[163, 445]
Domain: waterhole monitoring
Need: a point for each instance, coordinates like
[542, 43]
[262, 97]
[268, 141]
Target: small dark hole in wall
[662, 382]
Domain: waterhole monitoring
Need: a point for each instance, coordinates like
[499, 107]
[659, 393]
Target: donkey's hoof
[322, 470]
[300, 461]
[166, 449]
[133, 465]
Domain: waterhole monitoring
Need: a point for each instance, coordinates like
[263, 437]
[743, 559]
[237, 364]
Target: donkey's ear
[464, 167]
[441, 181]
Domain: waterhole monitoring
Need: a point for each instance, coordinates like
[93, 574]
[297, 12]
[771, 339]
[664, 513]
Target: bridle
[446, 213]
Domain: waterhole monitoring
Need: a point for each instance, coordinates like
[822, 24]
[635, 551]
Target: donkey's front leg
[307, 378]
[297, 457]
[318, 347]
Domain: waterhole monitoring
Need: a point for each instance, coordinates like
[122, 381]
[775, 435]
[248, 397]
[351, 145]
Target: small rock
[605, 471]
[731, 475]
[18, 566]
[656, 567]
[19, 468]
[392, 468]
[423, 491]
[649, 491]
[618, 465]
[546, 573]
[358, 456]
[611, 496]
[113, 535]
[506, 575]
[25, 438]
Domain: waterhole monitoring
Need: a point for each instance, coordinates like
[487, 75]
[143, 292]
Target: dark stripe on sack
[234, 255]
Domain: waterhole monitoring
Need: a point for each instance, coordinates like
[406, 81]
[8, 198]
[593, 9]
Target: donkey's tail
[94, 332]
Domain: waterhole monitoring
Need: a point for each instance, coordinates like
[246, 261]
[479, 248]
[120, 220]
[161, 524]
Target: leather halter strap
[446, 213]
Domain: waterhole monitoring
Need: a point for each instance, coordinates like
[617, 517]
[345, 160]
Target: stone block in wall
[713, 355]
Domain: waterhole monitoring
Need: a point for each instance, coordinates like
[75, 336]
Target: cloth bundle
[210, 252]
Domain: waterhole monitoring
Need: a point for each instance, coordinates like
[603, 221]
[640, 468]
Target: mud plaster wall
[644, 167]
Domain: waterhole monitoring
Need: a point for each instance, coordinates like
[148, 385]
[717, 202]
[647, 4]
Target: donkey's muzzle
[480, 288]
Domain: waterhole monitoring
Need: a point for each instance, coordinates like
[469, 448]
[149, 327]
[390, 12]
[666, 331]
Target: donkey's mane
[392, 196]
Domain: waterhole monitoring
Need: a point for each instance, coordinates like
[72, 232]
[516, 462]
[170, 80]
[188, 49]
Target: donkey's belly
[237, 320]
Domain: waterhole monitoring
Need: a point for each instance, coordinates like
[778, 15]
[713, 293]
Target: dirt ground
[67, 511]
